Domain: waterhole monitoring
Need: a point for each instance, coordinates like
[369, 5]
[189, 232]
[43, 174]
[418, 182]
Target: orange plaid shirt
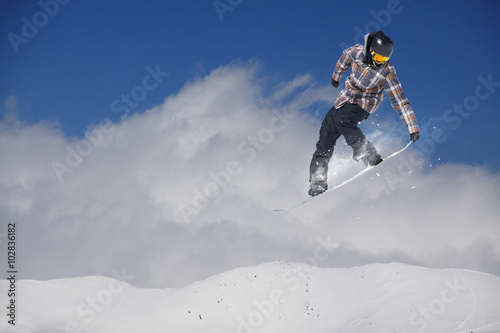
[366, 84]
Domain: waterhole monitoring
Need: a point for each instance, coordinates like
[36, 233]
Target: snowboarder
[371, 74]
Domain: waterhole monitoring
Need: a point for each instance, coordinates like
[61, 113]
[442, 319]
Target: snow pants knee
[342, 121]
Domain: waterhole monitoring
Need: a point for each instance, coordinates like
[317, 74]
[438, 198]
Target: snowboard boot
[369, 159]
[372, 160]
[365, 151]
[317, 187]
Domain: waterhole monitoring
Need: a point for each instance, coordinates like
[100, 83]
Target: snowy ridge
[274, 297]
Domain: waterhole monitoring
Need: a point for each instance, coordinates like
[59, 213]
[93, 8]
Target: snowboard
[362, 172]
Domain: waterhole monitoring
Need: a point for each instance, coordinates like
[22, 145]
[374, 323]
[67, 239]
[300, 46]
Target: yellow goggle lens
[379, 58]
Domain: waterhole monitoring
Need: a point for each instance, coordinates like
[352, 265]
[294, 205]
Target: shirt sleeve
[343, 64]
[400, 102]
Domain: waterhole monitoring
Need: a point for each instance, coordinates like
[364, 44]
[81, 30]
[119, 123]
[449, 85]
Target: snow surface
[274, 297]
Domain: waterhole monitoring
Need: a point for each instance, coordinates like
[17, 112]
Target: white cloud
[186, 190]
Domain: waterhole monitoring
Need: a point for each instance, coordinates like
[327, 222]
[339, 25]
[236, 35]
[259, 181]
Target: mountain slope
[273, 297]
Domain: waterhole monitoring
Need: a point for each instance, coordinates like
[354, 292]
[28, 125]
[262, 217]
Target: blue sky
[223, 112]
[90, 52]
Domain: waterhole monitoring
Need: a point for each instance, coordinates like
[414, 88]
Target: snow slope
[274, 297]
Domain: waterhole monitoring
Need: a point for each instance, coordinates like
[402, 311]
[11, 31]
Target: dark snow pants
[342, 121]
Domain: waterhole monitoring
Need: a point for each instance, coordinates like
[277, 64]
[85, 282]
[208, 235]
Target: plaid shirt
[366, 84]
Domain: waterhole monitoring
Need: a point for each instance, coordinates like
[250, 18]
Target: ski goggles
[378, 58]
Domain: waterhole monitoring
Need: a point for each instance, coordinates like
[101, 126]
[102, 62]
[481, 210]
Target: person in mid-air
[371, 74]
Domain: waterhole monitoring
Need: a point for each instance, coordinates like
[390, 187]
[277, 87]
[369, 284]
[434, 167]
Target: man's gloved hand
[335, 83]
[414, 136]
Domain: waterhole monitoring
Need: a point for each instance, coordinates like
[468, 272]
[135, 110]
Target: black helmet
[382, 45]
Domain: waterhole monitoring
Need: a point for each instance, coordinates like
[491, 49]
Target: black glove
[414, 136]
[335, 83]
